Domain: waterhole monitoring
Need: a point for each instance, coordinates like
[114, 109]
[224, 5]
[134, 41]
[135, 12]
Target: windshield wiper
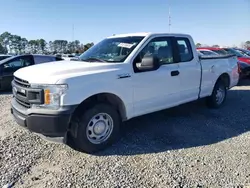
[93, 59]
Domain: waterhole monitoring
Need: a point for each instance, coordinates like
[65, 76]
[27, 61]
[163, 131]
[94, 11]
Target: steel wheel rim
[220, 95]
[99, 128]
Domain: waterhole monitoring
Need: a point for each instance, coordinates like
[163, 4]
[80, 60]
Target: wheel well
[225, 78]
[109, 98]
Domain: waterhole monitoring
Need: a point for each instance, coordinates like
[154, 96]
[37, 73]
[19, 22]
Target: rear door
[190, 70]
[9, 67]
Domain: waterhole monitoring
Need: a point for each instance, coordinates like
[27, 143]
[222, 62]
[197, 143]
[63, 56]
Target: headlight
[52, 95]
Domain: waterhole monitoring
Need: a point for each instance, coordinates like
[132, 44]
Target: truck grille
[21, 97]
[25, 95]
[22, 83]
[22, 103]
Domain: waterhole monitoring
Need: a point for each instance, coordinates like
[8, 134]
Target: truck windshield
[111, 49]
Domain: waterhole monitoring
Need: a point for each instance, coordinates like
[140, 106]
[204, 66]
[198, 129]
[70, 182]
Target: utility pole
[73, 30]
[169, 20]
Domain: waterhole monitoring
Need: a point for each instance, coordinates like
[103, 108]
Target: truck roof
[144, 34]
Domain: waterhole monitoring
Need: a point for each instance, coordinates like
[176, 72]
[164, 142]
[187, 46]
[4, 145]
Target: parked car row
[243, 57]
[10, 64]
[243, 51]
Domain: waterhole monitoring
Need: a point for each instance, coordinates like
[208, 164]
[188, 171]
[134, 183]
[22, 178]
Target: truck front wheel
[97, 128]
[218, 96]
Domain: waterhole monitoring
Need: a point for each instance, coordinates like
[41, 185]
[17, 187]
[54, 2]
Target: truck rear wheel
[218, 96]
[98, 127]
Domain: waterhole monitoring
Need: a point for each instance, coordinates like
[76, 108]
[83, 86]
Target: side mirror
[148, 63]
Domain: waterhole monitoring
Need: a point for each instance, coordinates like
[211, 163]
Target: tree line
[11, 43]
[245, 45]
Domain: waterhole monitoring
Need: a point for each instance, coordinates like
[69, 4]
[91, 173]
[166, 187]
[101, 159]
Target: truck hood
[52, 72]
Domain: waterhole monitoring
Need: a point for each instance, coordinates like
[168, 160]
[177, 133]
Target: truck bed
[212, 67]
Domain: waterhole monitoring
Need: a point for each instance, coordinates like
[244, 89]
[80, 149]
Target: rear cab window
[185, 49]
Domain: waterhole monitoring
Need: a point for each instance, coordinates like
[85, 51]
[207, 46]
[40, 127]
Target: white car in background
[67, 56]
[207, 52]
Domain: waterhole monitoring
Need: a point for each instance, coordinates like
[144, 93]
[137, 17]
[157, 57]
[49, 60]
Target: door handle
[175, 73]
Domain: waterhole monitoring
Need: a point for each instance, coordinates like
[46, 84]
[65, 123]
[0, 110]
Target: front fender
[122, 88]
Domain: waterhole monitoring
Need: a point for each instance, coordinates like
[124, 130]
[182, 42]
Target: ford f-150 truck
[119, 78]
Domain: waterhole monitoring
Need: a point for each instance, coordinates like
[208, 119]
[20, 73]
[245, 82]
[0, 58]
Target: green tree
[42, 46]
[3, 50]
[88, 45]
[5, 39]
[51, 47]
[33, 46]
[24, 45]
[15, 44]
[247, 44]
[60, 46]
[71, 47]
[198, 45]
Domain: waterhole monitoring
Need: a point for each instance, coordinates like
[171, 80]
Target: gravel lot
[187, 146]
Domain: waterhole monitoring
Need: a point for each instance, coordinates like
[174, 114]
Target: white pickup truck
[121, 77]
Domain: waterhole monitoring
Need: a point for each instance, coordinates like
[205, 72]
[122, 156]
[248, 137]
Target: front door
[156, 89]
[9, 67]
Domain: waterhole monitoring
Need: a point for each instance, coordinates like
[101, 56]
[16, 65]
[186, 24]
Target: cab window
[185, 49]
[159, 47]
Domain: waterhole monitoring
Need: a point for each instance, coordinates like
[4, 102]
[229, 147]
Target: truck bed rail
[217, 56]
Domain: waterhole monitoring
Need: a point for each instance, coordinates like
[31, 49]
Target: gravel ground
[187, 146]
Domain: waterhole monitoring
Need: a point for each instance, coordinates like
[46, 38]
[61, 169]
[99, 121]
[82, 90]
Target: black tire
[82, 142]
[211, 101]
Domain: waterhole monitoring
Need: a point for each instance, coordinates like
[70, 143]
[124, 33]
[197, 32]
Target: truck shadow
[185, 126]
